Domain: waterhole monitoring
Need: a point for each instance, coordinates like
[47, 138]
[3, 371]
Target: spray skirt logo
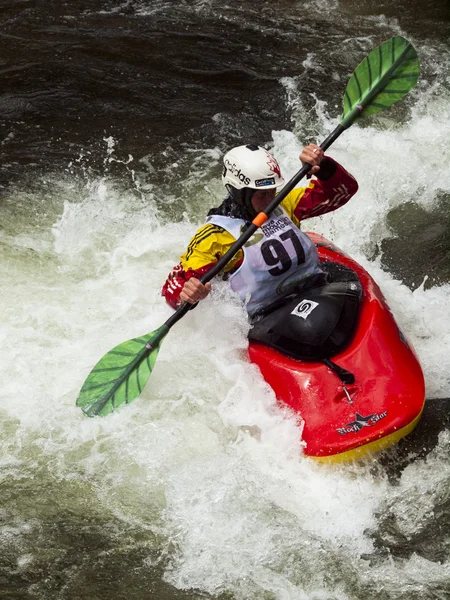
[304, 309]
[361, 422]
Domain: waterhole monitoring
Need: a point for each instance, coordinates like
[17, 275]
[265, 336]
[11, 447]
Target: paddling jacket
[285, 249]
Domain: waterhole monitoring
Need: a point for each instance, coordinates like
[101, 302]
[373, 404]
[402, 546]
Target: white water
[205, 458]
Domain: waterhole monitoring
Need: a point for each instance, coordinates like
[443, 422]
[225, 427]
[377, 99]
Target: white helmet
[251, 167]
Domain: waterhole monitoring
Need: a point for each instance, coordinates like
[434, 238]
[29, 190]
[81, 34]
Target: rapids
[115, 116]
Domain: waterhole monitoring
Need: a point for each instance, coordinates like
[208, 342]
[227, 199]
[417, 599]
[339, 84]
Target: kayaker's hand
[193, 290]
[313, 155]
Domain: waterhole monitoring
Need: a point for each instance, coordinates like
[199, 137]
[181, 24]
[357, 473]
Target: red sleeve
[327, 195]
[171, 289]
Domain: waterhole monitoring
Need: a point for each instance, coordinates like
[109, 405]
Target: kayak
[336, 356]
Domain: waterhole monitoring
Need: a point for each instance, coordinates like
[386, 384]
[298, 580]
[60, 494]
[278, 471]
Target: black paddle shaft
[250, 230]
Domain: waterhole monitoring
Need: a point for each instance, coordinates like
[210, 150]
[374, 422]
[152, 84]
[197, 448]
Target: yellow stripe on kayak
[372, 447]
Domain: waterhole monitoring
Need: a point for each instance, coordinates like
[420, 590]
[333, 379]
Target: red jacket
[211, 242]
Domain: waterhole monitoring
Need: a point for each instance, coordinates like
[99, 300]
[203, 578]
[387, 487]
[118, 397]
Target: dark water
[163, 78]
[153, 74]
[160, 77]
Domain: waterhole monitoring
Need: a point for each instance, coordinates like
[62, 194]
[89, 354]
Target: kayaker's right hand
[193, 290]
[312, 155]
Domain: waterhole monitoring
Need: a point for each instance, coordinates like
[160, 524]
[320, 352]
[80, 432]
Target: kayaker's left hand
[313, 155]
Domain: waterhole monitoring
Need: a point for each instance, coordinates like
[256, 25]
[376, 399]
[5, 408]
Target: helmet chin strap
[243, 198]
[247, 194]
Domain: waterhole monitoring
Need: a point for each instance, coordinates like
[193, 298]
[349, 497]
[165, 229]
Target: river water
[114, 117]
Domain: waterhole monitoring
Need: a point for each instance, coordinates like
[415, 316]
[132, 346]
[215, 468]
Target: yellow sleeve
[207, 246]
[292, 200]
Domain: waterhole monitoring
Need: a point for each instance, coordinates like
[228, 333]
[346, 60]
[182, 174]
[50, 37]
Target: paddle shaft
[250, 230]
[388, 73]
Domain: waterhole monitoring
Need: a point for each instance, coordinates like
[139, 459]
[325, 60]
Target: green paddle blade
[386, 75]
[120, 376]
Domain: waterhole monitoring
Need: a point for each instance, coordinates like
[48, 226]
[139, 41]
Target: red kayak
[337, 357]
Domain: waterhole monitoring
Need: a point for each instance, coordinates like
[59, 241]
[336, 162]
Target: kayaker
[279, 259]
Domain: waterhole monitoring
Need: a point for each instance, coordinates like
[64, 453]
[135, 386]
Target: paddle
[386, 75]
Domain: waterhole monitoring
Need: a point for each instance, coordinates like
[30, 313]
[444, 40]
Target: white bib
[278, 258]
